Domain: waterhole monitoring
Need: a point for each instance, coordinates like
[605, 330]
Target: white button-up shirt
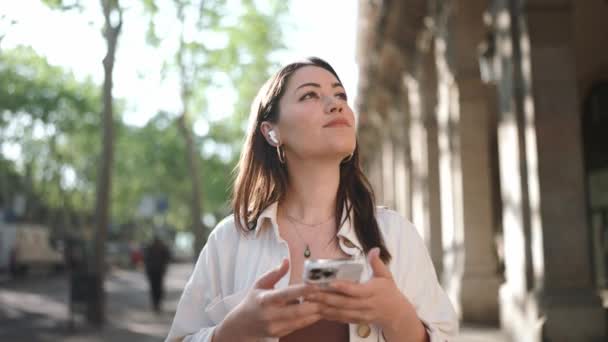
[231, 262]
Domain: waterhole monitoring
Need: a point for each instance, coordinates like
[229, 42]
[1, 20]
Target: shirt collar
[346, 231]
[268, 214]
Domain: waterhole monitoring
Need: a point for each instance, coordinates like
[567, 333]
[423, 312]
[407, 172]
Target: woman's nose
[332, 105]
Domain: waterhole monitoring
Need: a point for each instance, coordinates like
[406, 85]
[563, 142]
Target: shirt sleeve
[417, 280]
[192, 322]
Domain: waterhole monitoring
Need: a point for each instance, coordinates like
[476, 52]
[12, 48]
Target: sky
[315, 28]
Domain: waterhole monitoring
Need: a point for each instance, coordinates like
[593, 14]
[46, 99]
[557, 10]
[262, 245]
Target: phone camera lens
[329, 273]
[315, 274]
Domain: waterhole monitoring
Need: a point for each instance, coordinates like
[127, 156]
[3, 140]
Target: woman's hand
[377, 301]
[268, 312]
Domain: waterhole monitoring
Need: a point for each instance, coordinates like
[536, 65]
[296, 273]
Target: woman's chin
[341, 155]
[336, 150]
[344, 146]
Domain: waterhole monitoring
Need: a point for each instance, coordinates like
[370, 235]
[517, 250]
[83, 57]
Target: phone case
[323, 271]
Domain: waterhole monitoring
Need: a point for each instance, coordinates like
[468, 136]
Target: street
[35, 308]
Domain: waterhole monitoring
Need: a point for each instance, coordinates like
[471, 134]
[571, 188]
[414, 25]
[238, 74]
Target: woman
[300, 194]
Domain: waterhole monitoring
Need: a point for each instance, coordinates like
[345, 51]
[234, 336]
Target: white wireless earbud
[273, 137]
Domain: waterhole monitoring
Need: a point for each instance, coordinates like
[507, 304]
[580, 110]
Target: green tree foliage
[54, 119]
[228, 52]
[223, 47]
[150, 161]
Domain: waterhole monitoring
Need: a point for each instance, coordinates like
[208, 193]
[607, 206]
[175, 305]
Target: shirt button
[363, 330]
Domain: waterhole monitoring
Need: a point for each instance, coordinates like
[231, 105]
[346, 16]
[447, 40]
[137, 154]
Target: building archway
[595, 139]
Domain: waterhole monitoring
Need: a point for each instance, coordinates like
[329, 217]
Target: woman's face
[315, 121]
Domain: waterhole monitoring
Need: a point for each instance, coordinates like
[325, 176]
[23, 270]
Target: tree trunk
[96, 312]
[196, 207]
[191, 153]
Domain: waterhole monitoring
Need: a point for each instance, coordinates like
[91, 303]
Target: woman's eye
[342, 96]
[309, 95]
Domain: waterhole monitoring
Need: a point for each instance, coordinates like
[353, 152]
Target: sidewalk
[476, 333]
[36, 309]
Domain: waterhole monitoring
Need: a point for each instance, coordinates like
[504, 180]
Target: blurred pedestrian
[156, 260]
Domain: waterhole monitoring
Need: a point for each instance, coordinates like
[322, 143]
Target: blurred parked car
[26, 246]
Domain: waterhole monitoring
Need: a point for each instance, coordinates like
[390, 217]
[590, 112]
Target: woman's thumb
[270, 278]
[378, 267]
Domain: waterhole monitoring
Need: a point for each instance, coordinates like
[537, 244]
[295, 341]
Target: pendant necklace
[295, 222]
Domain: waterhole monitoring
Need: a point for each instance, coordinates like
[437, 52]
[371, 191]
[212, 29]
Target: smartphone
[323, 271]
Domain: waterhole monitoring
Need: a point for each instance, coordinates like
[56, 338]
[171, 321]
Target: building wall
[591, 43]
[501, 180]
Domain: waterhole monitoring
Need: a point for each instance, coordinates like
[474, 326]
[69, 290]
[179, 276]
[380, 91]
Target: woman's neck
[312, 190]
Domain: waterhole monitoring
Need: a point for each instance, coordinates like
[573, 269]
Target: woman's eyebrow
[317, 85]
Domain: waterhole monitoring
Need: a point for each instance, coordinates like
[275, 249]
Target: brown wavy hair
[262, 179]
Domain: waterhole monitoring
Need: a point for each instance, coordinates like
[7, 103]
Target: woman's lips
[338, 123]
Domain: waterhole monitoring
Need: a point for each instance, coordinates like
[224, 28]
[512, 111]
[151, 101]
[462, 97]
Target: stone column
[369, 133]
[480, 279]
[472, 125]
[519, 312]
[449, 169]
[429, 103]
[549, 294]
[419, 152]
[560, 234]
[388, 164]
[429, 86]
[402, 159]
[426, 203]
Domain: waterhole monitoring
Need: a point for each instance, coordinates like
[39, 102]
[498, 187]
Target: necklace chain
[294, 220]
[307, 252]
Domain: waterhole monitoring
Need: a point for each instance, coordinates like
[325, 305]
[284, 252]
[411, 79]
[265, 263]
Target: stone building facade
[486, 123]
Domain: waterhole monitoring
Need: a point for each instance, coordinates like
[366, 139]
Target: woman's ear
[270, 133]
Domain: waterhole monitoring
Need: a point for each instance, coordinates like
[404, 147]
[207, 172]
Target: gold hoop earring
[281, 154]
[347, 159]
